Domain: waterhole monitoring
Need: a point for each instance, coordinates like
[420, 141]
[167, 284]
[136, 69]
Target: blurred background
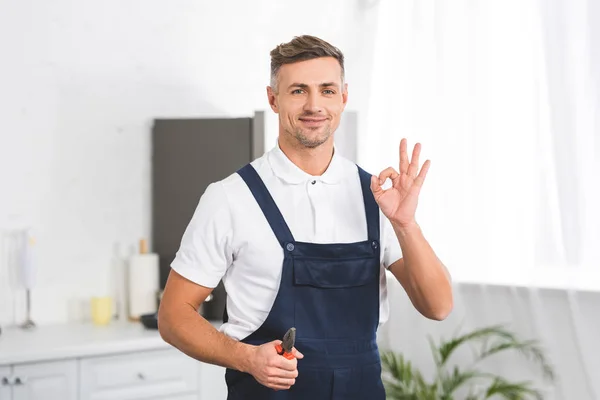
[118, 114]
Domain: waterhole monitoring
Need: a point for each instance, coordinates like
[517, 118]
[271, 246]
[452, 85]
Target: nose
[312, 103]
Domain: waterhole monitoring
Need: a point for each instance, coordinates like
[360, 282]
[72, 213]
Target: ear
[345, 95]
[272, 96]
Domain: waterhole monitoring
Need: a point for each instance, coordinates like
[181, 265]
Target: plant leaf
[435, 352]
[512, 390]
[402, 381]
[451, 382]
[446, 348]
[528, 348]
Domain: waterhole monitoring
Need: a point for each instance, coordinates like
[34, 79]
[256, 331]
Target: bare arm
[422, 275]
[182, 326]
[420, 272]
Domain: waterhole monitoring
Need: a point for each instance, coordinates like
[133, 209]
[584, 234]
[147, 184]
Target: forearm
[423, 275]
[182, 327]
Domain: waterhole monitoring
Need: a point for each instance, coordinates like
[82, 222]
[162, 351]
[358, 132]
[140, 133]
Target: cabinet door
[154, 374]
[45, 381]
[5, 376]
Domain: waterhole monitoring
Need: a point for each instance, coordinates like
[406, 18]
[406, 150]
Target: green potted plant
[404, 382]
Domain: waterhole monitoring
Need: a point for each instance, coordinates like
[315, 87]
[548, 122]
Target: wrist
[405, 228]
[245, 356]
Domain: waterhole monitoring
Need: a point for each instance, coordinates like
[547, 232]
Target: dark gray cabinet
[188, 155]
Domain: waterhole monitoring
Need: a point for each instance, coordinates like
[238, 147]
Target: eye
[297, 91]
[328, 91]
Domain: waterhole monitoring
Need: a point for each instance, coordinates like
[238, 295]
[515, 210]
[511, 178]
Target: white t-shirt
[229, 237]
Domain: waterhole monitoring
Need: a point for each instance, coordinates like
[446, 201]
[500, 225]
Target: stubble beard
[312, 142]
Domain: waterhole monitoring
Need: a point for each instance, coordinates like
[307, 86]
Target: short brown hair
[302, 48]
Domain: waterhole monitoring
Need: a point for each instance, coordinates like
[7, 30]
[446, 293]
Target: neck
[312, 161]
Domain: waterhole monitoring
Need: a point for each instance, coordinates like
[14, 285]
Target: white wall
[80, 83]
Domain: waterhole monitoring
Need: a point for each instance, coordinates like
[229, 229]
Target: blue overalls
[330, 294]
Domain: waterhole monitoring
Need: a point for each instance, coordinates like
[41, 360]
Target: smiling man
[309, 108]
[301, 237]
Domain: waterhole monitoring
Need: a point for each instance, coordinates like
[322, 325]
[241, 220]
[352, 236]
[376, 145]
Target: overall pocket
[335, 273]
[336, 299]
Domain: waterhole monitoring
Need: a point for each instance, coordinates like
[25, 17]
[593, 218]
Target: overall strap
[267, 204]
[371, 206]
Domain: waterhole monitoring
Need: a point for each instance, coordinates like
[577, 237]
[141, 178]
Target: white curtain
[504, 97]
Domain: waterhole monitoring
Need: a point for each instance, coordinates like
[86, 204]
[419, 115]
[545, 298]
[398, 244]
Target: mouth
[312, 122]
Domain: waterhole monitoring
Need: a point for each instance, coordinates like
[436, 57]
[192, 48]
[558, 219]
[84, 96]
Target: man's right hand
[272, 369]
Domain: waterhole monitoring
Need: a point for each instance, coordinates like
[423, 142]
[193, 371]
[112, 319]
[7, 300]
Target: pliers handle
[287, 344]
[280, 351]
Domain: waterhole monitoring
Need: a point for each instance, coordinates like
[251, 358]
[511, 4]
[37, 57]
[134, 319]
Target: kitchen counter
[62, 341]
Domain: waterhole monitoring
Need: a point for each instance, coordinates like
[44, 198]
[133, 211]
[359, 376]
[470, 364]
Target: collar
[289, 172]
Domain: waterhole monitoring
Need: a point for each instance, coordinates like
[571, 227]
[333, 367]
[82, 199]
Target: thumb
[274, 343]
[297, 354]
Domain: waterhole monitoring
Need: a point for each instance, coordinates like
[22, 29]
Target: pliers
[287, 344]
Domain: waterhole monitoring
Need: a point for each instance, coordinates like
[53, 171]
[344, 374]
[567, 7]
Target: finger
[280, 384]
[285, 364]
[282, 373]
[295, 351]
[403, 157]
[419, 180]
[274, 343]
[414, 161]
[278, 388]
[389, 172]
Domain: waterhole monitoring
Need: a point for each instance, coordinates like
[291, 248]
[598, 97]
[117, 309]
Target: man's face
[310, 100]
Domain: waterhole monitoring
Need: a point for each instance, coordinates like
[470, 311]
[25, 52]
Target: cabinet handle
[141, 376]
[5, 381]
[20, 381]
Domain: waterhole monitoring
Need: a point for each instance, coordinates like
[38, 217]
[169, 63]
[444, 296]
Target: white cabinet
[142, 375]
[40, 381]
[164, 374]
[5, 388]
[116, 362]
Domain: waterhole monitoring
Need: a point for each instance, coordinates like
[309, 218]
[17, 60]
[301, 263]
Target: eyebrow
[305, 86]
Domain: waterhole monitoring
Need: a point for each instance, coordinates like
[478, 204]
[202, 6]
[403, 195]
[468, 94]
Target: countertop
[61, 341]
